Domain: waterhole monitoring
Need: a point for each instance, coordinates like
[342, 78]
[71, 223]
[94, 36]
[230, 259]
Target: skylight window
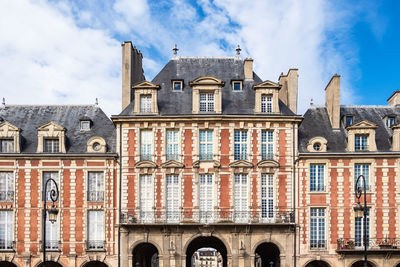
[349, 120]
[237, 85]
[177, 85]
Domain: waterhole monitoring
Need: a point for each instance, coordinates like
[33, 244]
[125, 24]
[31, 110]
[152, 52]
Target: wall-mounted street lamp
[361, 211]
[53, 211]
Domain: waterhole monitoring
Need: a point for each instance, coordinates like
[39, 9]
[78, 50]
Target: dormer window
[360, 142]
[9, 138]
[266, 104]
[177, 85]
[85, 125]
[207, 102]
[237, 85]
[390, 121]
[206, 95]
[349, 120]
[51, 145]
[145, 104]
[51, 138]
[7, 145]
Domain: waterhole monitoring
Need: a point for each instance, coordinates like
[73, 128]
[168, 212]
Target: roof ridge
[50, 105]
[205, 57]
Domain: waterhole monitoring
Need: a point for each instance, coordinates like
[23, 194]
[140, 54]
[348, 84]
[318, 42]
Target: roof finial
[238, 51]
[312, 102]
[175, 49]
[97, 101]
[4, 102]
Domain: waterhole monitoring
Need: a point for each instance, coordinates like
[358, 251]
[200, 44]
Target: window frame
[348, 120]
[9, 146]
[174, 82]
[146, 213]
[8, 194]
[361, 142]
[98, 194]
[87, 123]
[359, 229]
[267, 145]
[240, 145]
[241, 197]
[51, 186]
[52, 231]
[362, 169]
[317, 178]
[318, 228]
[206, 198]
[267, 197]
[146, 145]
[146, 103]
[390, 121]
[172, 144]
[99, 222]
[172, 199]
[266, 103]
[206, 144]
[8, 221]
[52, 141]
[207, 104]
[235, 82]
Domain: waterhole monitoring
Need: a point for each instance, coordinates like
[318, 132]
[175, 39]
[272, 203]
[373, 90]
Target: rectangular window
[361, 142]
[146, 198]
[267, 145]
[177, 85]
[50, 185]
[240, 145]
[349, 120]
[359, 230]
[267, 197]
[85, 125]
[146, 143]
[317, 183]
[6, 145]
[266, 104]
[52, 238]
[240, 198]
[207, 102]
[390, 121]
[6, 186]
[237, 85]
[361, 169]
[145, 103]
[172, 145]
[51, 145]
[172, 198]
[206, 145]
[95, 229]
[6, 229]
[317, 228]
[96, 186]
[206, 198]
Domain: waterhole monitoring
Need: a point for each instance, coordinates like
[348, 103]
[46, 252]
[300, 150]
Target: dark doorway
[206, 242]
[145, 255]
[7, 264]
[50, 264]
[361, 264]
[317, 264]
[95, 264]
[267, 255]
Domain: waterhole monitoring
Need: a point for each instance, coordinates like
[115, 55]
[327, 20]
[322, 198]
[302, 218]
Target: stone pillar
[125, 253]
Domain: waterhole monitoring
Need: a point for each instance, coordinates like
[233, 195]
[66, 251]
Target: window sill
[318, 192]
[96, 250]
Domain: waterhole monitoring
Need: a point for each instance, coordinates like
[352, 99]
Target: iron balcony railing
[6, 195]
[6, 244]
[317, 244]
[52, 244]
[172, 156]
[207, 217]
[95, 196]
[95, 244]
[346, 244]
[265, 156]
[204, 156]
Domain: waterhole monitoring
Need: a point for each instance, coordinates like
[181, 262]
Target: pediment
[364, 124]
[241, 164]
[6, 126]
[268, 164]
[267, 84]
[145, 85]
[207, 80]
[146, 164]
[50, 126]
[395, 126]
[172, 164]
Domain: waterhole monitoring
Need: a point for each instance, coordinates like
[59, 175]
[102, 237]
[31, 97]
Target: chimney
[332, 101]
[288, 91]
[394, 99]
[132, 71]
[248, 69]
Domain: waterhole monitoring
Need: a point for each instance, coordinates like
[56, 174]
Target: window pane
[240, 145]
[146, 140]
[240, 198]
[6, 145]
[206, 145]
[317, 182]
[51, 187]
[266, 104]
[51, 145]
[145, 103]
[6, 229]
[206, 102]
[172, 145]
[95, 229]
[6, 186]
[96, 186]
[267, 145]
[317, 228]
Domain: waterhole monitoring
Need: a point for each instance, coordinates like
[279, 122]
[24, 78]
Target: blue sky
[68, 52]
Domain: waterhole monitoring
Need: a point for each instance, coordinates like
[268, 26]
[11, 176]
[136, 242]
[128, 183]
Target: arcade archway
[206, 242]
[317, 264]
[95, 264]
[7, 264]
[50, 264]
[145, 255]
[361, 264]
[267, 255]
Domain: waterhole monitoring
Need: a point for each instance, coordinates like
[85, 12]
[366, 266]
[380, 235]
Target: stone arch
[94, 264]
[360, 263]
[317, 263]
[49, 264]
[210, 241]
[267, 254]
[7, 264]
[131, 247]
[273, 241]
[145, 254]
[397, 264]
[228, 248]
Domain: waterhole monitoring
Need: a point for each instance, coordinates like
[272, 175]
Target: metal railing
[6, 244]
[172, 156]
[6, 195]
[318, 188]
[208, 156]
[317, 244]
[52, 244]
[372, 243]
[95, 244]
[95, 196]
[265, 156]
[207, 217]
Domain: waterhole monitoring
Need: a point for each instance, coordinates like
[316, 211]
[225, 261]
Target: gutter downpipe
[294, 197]
[119, 197]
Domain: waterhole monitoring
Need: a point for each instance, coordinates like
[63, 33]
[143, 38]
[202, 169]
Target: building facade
[74, 146]
[207, 152]
[337, 144]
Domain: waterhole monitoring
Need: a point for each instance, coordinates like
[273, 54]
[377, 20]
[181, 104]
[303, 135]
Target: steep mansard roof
[190, 68]
[316, 123]
[29, 117]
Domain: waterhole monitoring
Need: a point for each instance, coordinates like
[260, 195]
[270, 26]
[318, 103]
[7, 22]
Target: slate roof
[316, 123]
[29, 117]
[188, 69]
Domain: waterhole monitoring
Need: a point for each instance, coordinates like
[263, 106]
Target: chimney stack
[289, 89]
[248, 69]
[394, 99]
[332, 101]
[132, 71]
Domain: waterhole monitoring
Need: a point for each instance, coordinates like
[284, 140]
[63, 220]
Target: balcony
[52, 244]
[96, 245]
[7, 196]
[208, 217]
[317, 244]
[95, 196]
[376, 245]
[6, 244]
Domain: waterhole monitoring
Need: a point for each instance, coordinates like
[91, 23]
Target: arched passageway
[361, 264]
[267, 255]
[95, 264]
[7, 264]
[145, 255]
[317, 264]
[206, 242]
[50, 264]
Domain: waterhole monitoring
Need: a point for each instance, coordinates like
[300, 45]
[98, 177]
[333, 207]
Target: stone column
[125, 253]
